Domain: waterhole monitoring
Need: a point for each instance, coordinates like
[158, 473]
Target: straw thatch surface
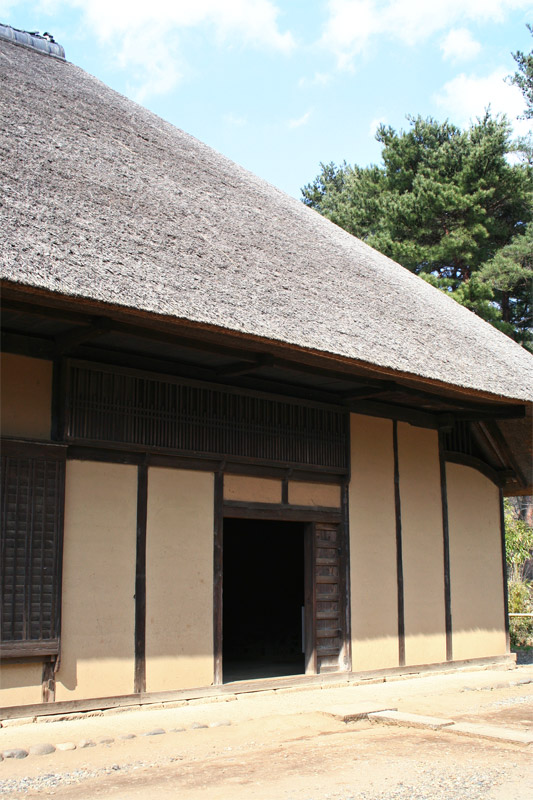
[103, 200]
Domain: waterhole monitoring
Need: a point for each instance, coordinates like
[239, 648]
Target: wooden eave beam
[487, 413]
[438, 420]
[244, 367]
[66, 342]
[365, 388]
[241, 366]
[367, 392]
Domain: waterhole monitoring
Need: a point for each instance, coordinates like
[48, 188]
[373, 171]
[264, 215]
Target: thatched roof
[101, 199]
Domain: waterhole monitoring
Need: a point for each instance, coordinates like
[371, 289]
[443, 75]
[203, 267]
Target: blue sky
[281, 85]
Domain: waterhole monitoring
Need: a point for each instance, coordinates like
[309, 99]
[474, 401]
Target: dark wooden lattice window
[112, 405]
[31, 545]
[459, 439]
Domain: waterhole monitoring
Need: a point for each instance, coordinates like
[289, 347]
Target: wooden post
[140, 581]
[218, 576]
[399, 553]
[504, 575]
[446, 552]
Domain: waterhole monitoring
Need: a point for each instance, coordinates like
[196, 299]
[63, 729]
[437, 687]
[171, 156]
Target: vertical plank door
[325, 599]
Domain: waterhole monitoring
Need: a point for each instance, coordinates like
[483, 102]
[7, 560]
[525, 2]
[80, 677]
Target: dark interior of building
[263, 598]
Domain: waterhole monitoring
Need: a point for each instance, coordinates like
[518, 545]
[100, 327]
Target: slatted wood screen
[106, 404]
[30, 541]
[329, 599]
[460, 439]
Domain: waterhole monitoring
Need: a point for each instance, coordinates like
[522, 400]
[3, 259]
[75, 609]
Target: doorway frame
[284, 513]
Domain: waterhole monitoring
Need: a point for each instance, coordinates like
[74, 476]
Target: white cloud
[146, 35]
[466, 97]
[303, 120]
[233, 119]
[352, 24]
[459, 45]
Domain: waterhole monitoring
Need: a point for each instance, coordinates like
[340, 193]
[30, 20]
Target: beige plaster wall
[422, 545]
[179, 579]
[254, 490]
[20, 684]
[99, 553]
[26, 396]
[373, 545]
[314, 494]
[478, 616]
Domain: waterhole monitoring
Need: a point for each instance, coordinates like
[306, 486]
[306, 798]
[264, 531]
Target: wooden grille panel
[460, 439]
[152, 411]
[30, 548]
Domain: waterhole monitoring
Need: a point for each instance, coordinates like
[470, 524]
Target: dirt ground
[286, 746]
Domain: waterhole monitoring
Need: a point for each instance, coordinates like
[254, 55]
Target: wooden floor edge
[66, 707]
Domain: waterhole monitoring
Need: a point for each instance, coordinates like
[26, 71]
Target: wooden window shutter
[31, 548]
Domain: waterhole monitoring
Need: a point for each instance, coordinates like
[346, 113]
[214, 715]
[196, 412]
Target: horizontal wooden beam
[237, 510]
[488, 413]
[29, 649]
[133, 454]
[29, 448]
[422, 419]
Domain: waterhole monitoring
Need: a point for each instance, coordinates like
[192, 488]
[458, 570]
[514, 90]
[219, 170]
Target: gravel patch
[511, 701]
[431, 784]
[51, 780]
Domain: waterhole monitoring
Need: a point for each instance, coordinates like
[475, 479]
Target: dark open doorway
[263, 597]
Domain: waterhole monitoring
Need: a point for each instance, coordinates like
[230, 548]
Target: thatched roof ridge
[104, 200]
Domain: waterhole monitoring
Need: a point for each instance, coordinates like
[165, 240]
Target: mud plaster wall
[179, 579]
[20, 684]
[422, 544]
[373, 545]
[99, 552]
[26, 396]
[314, 494]
[478, 622]
[253, 490]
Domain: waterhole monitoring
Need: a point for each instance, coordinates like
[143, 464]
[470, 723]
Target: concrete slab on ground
[493, 732]
[409, 720]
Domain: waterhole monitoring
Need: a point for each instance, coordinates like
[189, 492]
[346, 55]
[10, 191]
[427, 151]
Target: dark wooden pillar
[140, 581]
